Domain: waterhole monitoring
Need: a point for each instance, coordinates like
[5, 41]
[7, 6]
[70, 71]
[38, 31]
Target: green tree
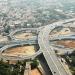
[34, 64]
[73, 60]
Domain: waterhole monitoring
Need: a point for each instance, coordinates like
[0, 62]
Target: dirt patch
[24, 50]
[35, 72]
[70, 44]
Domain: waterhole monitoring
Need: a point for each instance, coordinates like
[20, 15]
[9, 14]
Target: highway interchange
[45, 47]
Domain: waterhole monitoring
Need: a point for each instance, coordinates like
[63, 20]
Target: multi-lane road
[49, 54]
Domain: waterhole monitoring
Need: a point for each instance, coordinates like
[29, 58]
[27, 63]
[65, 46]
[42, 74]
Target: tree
[5, 69]
[73, 60]
[34, 64]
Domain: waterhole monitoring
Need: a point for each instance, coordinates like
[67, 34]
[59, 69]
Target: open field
[23, 50]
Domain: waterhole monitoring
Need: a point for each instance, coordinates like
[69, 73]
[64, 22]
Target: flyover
[15, 42]
[20, 57]
[63, 37]
[27, 41]
[11, 35]
[45, 48]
